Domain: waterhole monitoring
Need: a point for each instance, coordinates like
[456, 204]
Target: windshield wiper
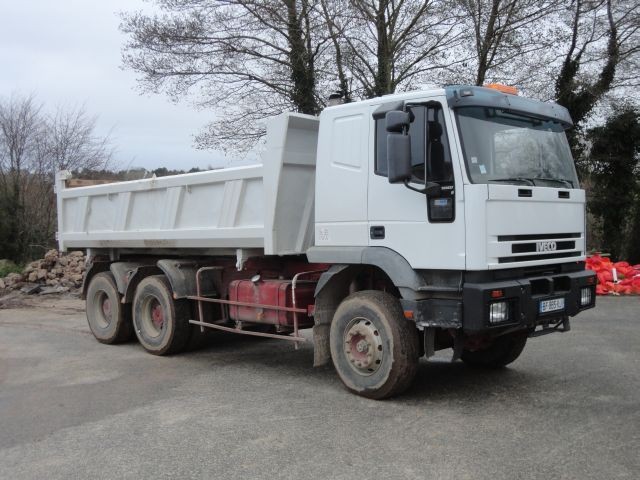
[567, 183]
[528, 181]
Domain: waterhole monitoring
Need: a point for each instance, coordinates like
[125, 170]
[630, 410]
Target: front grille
[532, 258]
[537, 236]
[532, 248]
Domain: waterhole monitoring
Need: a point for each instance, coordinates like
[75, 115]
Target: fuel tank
[274, 293]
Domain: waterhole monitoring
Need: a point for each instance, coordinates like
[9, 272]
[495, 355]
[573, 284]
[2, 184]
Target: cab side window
[439, 167]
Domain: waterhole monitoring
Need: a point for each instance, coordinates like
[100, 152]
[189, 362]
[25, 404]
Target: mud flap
[458, 346]
[321, 348]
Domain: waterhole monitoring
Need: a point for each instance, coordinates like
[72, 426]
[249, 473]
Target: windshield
[506, 147]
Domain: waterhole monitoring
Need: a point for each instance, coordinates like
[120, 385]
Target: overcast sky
[67, 52]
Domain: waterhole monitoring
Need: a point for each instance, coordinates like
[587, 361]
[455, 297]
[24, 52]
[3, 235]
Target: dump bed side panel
[220, 208]
[267, 206]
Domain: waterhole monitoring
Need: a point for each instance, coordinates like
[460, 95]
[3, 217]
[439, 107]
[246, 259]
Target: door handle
[376, 232]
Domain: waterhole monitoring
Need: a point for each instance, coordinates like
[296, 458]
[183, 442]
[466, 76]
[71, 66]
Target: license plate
[553, 305]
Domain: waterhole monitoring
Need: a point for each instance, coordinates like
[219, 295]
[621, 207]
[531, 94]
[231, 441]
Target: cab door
[428, 231]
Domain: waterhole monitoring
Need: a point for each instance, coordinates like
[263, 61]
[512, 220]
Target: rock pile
[54, 273]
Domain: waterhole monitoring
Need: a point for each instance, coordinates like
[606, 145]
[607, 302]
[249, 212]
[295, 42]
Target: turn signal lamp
[502, 88]
[497, 293]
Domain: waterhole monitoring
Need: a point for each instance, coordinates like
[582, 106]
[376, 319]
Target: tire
[374, 349]
[160, 322]
[109, 320]
[502, 351]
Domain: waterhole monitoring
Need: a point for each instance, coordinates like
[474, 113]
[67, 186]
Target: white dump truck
[394, 227]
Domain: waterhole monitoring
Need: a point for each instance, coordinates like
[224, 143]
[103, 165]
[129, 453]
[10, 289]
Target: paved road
[71, 408]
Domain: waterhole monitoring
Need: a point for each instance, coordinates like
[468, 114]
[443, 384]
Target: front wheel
[375, 350]
[501, 352]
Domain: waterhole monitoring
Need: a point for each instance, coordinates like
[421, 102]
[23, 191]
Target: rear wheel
[501, 352]
[375, 350]
[109, 320]
[161, 323]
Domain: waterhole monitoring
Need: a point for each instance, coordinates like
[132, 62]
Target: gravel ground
[569, 408]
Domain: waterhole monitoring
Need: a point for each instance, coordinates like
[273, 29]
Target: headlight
[499, 312]
[586, 296]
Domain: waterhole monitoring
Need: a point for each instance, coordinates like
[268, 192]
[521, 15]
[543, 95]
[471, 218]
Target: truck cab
[467, 198]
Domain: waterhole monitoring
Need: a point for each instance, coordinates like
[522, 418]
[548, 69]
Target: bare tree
[33, 146]
[578, 94]
[70, 142]
[333, 12]
[508, 39]
[600, 57]
[20, 125]
[391, 44]
[66, 141]
[574, 52]
[626, 14]
[245, 59]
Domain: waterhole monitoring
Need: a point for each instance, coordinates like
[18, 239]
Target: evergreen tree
[615, 165]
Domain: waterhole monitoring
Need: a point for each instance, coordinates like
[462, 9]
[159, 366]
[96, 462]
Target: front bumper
[524, 297]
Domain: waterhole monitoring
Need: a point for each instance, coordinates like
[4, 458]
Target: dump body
[267, 207]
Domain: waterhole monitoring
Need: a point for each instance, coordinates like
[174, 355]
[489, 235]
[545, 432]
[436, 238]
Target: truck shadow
[452, 381]
[437, 379]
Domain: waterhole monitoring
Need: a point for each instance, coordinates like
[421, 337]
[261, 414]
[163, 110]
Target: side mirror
[399, 157]
[398, 146]
[397, 121]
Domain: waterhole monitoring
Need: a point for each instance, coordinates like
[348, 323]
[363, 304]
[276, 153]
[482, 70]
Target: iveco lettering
[546, 246]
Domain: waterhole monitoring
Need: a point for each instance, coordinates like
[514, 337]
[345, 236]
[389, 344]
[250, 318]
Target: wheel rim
[153, 316]
[363, 346]
[103, 309]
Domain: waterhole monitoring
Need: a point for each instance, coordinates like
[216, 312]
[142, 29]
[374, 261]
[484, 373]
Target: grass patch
[7, 267]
